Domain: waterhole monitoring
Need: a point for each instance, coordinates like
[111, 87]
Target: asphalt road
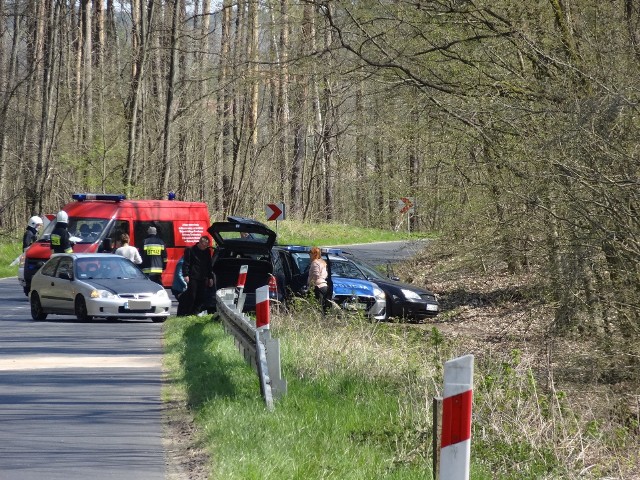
[77, 400]
[382, 253]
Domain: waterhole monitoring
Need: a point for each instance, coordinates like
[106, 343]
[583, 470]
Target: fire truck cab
[96, 222]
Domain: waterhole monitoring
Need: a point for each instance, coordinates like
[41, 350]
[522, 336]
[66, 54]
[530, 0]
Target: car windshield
[346, 269]
[86, 230]
[369, 270]
[244, 236]
[111, 267]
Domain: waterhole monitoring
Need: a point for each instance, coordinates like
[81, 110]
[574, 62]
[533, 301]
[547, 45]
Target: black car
[242, 241]
[403, 300]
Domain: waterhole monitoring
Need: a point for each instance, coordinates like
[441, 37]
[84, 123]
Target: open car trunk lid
[244, 235]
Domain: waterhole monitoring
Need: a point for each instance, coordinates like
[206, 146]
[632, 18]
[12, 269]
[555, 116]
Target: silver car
[90, 285]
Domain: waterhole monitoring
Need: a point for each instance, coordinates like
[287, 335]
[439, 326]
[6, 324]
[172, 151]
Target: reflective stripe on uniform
[152, 270]
[55, 240]
[153, 249]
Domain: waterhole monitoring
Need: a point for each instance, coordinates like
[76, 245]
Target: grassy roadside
[359, 399]
[358, 403]
[8, 252]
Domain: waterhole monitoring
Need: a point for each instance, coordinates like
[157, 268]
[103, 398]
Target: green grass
[8, 253]
[340, 426]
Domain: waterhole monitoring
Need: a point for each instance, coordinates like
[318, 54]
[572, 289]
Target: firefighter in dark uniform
[60, 237]
[31, 233]
[154, 256]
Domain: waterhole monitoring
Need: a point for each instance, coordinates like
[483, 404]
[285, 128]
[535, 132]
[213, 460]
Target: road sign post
[407, 205]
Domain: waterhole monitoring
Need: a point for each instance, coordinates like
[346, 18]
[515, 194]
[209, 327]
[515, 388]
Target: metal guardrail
[255, 344]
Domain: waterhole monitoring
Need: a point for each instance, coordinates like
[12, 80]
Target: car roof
[86, 255]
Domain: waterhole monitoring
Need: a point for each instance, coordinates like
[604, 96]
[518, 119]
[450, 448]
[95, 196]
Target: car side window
[65, 267]
[302, 261]
[50, 267]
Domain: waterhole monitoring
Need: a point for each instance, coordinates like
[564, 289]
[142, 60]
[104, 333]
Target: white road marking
[44, 362]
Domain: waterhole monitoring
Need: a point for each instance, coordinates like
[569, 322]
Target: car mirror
[394, 278]
[66, 276]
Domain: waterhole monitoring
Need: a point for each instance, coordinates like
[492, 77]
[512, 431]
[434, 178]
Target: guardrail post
[455, 444]
[254, 341]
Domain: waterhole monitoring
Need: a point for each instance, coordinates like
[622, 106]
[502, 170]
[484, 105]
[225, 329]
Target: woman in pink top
[318, 278]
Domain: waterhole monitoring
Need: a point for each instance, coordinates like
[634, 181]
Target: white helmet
[62, 217]
[34, 222]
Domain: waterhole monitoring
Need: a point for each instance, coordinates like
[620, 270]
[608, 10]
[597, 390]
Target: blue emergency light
[111, 197]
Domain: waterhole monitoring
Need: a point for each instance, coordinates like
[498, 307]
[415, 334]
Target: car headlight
[102, 294]
[410, 295]
[378, 293]
[162, 293]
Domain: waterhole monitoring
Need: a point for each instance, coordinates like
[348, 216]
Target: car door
[44, 283]
[62, 289]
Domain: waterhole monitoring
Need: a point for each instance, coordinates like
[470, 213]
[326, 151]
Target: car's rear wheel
[81, 309]
[37, 312]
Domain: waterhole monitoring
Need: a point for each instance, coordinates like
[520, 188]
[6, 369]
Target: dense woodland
[513, 125]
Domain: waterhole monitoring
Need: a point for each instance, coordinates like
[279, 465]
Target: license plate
[138, 305]
[432, 308]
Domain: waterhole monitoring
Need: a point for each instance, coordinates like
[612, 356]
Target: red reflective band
[242, 278]
[456, 418]
[262, 314]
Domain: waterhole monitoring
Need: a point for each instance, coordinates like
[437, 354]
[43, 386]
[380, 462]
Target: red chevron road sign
[275, 211]
[406, 204]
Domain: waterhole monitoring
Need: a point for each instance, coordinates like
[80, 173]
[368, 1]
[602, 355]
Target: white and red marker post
[262, 308]
[455, 444]
[242, 279]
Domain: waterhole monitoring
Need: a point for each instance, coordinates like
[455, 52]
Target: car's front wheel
[158, 319]
[81, 309]
[37, 312]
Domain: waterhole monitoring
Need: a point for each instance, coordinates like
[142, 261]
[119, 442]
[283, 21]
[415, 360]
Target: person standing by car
[31, 233]
[178, 286]
[60, 236]
[318, 278]
[154, 256]
[198, 273]
[128, 251]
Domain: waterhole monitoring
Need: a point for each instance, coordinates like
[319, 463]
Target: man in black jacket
[198, 273]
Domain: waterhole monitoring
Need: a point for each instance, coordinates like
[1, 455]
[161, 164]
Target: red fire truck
[96, 221]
